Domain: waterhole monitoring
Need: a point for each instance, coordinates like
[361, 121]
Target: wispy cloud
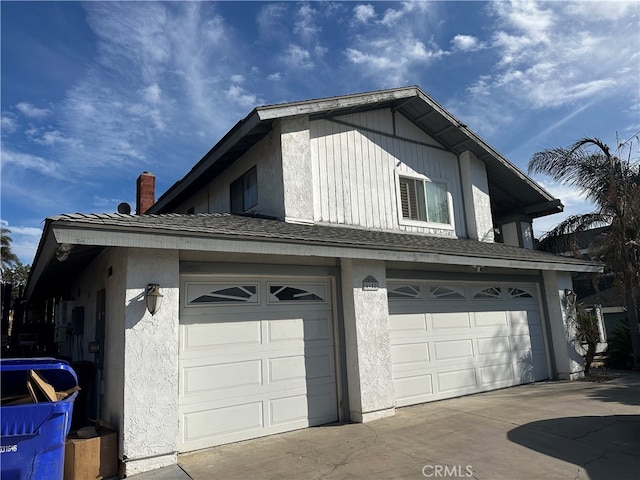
[31, 111]
[391, 46]
[26, 161]
[551, 55]
[8, 123]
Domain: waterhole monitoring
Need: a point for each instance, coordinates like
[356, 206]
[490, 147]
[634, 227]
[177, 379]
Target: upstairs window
[244, 192]
[424, 201]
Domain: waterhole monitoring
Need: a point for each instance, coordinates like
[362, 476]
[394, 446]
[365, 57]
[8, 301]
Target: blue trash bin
[33, 434]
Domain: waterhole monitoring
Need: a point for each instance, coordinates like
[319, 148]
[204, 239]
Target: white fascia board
[44, 255]
[270, 246]
[310, 107]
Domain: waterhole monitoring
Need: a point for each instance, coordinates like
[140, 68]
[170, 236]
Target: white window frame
[424, 223]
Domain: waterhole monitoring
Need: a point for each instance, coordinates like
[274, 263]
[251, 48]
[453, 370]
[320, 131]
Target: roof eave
[147, 237]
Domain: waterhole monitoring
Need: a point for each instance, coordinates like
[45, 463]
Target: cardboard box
[91, 458]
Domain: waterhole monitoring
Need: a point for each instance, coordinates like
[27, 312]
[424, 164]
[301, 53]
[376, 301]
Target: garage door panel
[413, 389]
[408, 325]
[284, 369]
[215, 422]
[499, 373]
[493, 345]
[410, 353]
[210, 335]
[450, 320]
[319, 366]
[491, 319]
[457, 380]
[255, 368]
[231, 375]
[289, 409]
[489, 339]
[453, 349]
[521, 343]
[322, 403]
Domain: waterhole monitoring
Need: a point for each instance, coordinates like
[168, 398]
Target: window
[244, 192]
[403, 291]
[204, 294]
[438, 292]
[424, 200]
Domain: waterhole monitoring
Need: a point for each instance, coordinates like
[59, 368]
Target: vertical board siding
[354, 172]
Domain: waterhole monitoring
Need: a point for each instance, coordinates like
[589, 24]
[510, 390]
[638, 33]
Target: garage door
[256, 358]
[452, 339]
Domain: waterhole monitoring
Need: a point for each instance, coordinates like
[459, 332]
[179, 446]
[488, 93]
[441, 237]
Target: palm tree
[613, 184]
[8, 258]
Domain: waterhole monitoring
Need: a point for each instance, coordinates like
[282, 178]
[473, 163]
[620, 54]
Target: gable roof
[240, 234]
[512, 191]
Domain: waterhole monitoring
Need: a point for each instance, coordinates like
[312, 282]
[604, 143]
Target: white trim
[209, 243]
[421, 223]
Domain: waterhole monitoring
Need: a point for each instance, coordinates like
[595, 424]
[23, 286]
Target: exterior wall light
[570, 296]
[153, 298]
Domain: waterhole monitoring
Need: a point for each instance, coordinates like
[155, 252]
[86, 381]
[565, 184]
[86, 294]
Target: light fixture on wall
[63, 251]
[570, 295]
[153, 298]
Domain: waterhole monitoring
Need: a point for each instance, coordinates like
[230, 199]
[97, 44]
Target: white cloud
[391, 59]
[610, 10]
[466, 43]
[27, 161]
[238, 95]
[298, 57]
[152, 93]
[237, 78]
[31, 111]
[305, 25]
[8, 123]
[364, 13]
[393, 16]
[551, 55]
[276, 76]
[55, 137]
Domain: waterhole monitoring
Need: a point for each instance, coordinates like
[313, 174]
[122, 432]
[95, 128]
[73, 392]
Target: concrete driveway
[548, 430]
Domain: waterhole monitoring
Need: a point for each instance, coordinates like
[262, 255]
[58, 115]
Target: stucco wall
[150, 418]
[368, 347]
[475, 189]
[215, 196]
[297, 169]
[106, 272]
[568, 361]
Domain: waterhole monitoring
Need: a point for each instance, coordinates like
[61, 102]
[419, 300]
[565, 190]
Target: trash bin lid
[57, 372]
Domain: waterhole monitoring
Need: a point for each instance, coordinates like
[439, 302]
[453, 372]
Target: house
[598, 292]
[327, 260]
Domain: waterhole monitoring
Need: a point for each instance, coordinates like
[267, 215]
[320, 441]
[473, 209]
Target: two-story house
[327, 260]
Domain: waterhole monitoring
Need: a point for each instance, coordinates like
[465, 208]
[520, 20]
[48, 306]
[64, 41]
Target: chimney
[145, 192]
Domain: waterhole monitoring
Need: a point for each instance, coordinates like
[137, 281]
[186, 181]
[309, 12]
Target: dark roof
[228, 226]
[512, 191]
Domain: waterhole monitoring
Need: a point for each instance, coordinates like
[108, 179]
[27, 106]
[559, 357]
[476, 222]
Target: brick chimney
[145, 192]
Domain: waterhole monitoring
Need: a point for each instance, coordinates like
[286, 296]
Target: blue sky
[94, 93]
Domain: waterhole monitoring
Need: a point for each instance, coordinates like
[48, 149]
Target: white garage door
[452, 339]
[256, 358]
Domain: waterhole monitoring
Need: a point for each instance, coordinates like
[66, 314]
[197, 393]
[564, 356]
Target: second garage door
[452, 339]
[256, 358]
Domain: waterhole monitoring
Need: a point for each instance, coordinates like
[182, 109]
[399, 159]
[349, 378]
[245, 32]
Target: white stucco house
[327, 260]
